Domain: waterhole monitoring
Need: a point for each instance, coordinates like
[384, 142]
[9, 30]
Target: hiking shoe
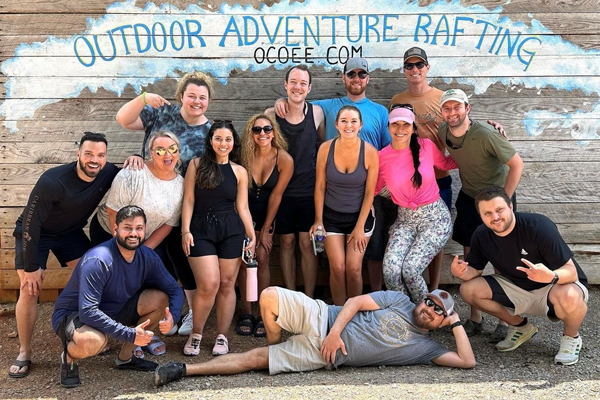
[472, 328]
[69, 372]
[192, 347]
[164, 374]
[516, 336]
[221, 345]
[138, 364]
[187, 323]
[499, 334]
[569, 350]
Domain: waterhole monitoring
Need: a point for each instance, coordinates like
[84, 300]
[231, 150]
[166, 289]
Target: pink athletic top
[396, 170]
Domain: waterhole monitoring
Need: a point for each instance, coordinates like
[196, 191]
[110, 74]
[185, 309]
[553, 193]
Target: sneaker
[516, 336]
[69, 373]
[221, 345]
[472, 328]
[499, 334]
[186, 324]
[569, 350]
[137, 364]
[172, 331]
[192, 347]
[164, 374]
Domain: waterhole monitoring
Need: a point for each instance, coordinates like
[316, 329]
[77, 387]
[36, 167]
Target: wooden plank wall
[560, 177]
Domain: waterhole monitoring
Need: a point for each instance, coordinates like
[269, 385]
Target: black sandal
[245, 321]
[260, 325]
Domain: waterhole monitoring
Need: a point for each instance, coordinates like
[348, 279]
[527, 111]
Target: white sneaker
[221, 346]
[172, 331]
[569, 350]
[186, 324]
[516, 336]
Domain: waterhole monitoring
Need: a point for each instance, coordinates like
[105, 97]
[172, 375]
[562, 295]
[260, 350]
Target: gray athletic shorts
[307, 320]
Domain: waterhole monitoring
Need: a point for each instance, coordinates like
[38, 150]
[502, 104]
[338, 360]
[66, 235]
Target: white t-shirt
[161, 200]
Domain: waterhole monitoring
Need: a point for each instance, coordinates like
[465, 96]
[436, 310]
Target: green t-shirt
[481, 159]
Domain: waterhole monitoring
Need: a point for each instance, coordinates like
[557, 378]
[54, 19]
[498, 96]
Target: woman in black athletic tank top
[212, 232]
[270, 168]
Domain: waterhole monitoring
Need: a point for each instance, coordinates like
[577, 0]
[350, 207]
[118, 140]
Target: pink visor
[401, 114]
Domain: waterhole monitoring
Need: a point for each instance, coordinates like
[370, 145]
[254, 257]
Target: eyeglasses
[258, 129]
[419, 65]
[402, 105]
[452, 145]
[436, 309]
[361, 74]
[161, 151]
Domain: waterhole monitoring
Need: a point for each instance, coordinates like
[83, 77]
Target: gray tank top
[345, 192]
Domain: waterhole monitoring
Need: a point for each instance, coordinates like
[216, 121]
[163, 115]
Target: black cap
[415, 52]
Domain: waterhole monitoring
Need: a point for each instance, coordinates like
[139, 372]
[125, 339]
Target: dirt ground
[527, 373]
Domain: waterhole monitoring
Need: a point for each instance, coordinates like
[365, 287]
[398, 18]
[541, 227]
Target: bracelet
[185, 233]
[457, 323]
[144, 98]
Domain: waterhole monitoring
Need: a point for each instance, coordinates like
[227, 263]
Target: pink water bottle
[251, 274]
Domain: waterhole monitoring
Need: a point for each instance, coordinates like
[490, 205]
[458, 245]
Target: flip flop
[154, 344]
[20, 364]
[138, 352]
[245, 321]
[260, 325]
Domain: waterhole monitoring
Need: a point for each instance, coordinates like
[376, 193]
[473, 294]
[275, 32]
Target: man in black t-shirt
[58, 208]
[536, 274]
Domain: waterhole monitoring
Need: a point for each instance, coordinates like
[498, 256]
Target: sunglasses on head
[402, 105]
[258, 129]
[419, 65]
[161, 151]
[436, 309]
[361, 74]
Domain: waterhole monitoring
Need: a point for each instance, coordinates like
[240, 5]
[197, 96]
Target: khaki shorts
[307, 320]
[534, 302]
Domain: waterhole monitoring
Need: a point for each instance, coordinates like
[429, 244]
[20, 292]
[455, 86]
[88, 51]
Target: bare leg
[435, 270]
[228, 270]
[354, 280]
[335, 248]
[26, 314]
[269, 309]
[375, 269]
[478, 294]
[151, 305]
[207, 276]
[287, 259]
[569, 306]
[309, 264]
[232, 363]
[476, 315]
[87, 342]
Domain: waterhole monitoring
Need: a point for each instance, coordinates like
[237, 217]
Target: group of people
[373, 179]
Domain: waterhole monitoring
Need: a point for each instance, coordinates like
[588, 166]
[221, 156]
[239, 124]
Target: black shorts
[258, 218]
[341, 223]
[66, 248]
[221, 235]
[128, 316]
[386, 212]
[296, 214]
[468, 219]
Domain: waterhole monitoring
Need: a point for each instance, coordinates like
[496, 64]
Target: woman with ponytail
[423, 225]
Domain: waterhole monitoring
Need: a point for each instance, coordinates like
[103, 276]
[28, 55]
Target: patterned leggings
[415, 238]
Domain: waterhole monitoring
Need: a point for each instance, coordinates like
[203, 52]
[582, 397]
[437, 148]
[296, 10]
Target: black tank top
[220, 199]
[302, 142]
[258, 196]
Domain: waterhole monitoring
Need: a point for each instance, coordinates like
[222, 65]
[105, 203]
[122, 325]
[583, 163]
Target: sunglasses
[361, 74]
[419, 65]
[258, 129]
[436, 309]
[402, 105]
[452, 145]
[161, 151]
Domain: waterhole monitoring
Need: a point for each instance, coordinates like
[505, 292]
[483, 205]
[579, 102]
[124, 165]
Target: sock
[523, 323]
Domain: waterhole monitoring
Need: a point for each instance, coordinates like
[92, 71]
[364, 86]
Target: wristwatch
[457, 323]
[555, 279]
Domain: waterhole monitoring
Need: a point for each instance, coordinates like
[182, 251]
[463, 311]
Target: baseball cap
[401, 114]
[356, 63]
[415, 52]
[454, 94]
[445, 298]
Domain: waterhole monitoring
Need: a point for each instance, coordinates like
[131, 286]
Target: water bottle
[251, 273]
[319, 240]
